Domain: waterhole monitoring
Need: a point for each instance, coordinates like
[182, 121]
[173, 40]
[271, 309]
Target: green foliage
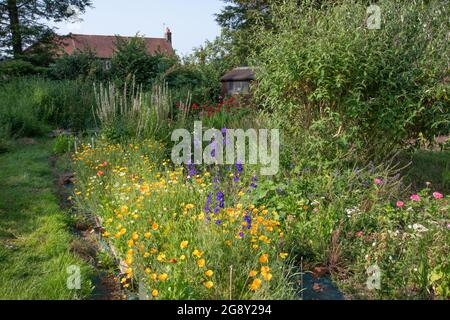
[21, 21]
[63, 144]
[79, 65]
[17, 68]
[5, 136]
[386, 85]
[428, 167]
[132, 62]
[32, 105]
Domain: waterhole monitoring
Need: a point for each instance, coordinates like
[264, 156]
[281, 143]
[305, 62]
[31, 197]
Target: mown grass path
[35, 235]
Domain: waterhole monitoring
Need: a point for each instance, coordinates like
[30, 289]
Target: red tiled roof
[104, 46]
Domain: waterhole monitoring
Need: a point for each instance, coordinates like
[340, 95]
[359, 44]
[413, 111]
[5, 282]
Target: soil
[85, 245]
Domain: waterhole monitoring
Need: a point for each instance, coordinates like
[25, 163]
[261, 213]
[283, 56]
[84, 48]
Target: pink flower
[415, 197]
[438, 195]
[378, 181]
[400, 204]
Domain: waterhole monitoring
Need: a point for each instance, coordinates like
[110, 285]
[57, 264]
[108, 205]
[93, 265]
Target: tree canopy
[23, 22]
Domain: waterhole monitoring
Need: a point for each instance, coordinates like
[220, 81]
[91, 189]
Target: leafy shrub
[79, 65]
[132, 62]
[18, 68]
[386, 85]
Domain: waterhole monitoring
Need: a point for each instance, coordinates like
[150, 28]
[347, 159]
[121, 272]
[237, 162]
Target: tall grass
[32, 106]
[133, 113]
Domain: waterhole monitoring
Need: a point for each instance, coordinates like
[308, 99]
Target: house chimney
[169, 35]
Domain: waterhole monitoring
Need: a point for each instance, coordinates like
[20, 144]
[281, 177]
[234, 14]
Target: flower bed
[183, 234]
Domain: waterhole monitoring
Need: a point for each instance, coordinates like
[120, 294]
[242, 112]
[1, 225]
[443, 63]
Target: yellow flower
[209, 284]
[146, 255]
[155, 227]
[197, 253]
[201, 263]
[240, 194]
[123, 231]
[255, 284]
[155, 293]
[147, 270]
[265, 269]
[253, 273]
[283, 255]
[154, 276]
[147, 235]
[189, 206]
[129, 261]
[106, 234]
[267, 276]
[163, 277]
[184, 244]
[161, 257]
[264, 258]
[182, 257]
[209, 273]
[135, 236]
[130, 243]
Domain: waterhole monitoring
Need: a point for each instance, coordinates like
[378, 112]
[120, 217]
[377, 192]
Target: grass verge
[34, 231]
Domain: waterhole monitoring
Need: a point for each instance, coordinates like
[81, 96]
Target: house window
[106, 65]
[238, 87]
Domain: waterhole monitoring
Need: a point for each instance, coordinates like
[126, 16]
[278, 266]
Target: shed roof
[239, 74]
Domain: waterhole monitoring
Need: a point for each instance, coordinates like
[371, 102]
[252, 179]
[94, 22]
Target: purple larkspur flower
[248, 219]
[220, 199]
[241, 234]
[239, 167]
[218, 222]
[208, 203]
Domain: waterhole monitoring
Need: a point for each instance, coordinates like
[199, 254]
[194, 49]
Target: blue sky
[191, 21]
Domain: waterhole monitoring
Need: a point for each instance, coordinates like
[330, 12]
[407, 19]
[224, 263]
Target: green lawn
[34, 232]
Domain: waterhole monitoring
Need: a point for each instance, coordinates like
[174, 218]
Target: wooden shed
[237, 81]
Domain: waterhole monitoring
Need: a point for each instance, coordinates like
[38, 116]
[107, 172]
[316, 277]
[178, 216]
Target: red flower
[100, 173]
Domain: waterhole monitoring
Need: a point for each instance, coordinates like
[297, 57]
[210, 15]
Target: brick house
[104, 46]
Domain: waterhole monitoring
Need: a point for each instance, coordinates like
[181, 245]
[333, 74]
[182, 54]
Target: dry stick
[301, 276]
[75, 144]
[231, 282]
